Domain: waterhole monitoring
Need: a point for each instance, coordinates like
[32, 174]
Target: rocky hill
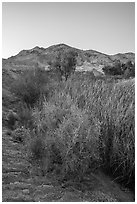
[86, 60]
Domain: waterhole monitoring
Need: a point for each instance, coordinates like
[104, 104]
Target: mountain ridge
[65, 45]
[86, 59]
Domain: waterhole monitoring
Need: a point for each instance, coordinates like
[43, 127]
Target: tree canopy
[64, 63]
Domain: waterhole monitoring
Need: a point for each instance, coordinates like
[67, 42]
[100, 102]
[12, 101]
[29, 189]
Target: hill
[86, 59]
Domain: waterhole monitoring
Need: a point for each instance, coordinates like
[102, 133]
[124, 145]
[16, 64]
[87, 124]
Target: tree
[115, 69]
[65, 63]
[129, 69]
[124, 69]
[30, 86]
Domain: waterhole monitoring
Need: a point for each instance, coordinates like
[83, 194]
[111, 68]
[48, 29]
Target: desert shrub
[25, 115]
[87, 124]
[43, 153]
[30, 86]
[122, 109]
[22, 117]
[126, 70]
[77, 137]
[68, 131]
[64, 63]
[129, 72]
[117, 142]
[37, 148]
[113, 105]
[20, 134]
[11, 119]
[115, 69]
[49, 117]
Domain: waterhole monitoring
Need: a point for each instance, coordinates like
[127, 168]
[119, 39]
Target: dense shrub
[86, 124]
[121, 110]
[20, 135]
[25, 115]
[115, 69]
[127, 69]
[64, 64]
[115, 111]
[11, 119]
[113, 105]
[69, 132]
[30, 86]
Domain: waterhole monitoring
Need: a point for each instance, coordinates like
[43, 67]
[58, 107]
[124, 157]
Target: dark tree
[129, 69]
[65, 63]
[126, 70]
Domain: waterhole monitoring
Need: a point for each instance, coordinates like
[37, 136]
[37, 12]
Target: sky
[106, 27]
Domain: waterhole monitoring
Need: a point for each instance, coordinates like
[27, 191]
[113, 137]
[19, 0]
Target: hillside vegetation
[86, 59]
[76, 126]
[72, 124]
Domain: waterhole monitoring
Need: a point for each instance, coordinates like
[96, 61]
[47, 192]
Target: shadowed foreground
[21, 183]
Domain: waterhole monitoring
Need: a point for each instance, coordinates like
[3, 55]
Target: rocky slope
[86, 59]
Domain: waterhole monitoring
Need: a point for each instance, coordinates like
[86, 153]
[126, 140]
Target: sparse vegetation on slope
[89, 59]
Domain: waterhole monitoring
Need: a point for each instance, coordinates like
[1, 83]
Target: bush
[12, 119]
[20, 135]
[84, 125]
[126, 70]
[70, 133]
[121, 110]
[78, 140]
[30, 86]
[115, 111]
[25, 116]
[64, 63]
[115, 69]
[112, 104]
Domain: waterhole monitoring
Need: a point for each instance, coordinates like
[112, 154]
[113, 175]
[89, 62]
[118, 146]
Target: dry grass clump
[70, 138]
[120, 110]
[85, 124]
[114, 107]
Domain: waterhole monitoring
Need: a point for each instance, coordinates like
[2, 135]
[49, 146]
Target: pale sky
[105, 27]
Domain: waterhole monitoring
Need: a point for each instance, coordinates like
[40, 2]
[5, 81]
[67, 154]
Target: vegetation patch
[72, 127]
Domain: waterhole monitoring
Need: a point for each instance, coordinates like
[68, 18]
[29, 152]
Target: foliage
[70, 133]
[20, 134]
[64, 63]
[127, 70]
[113, 70]
[12, 119]
[25, 115]
[30, 86]
[85, 124]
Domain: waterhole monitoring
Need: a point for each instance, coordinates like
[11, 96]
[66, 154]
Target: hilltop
[86, 59]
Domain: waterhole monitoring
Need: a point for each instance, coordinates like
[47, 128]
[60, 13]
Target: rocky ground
[21, 183]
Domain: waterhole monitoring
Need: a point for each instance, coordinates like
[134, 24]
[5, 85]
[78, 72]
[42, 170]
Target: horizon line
[41, 47]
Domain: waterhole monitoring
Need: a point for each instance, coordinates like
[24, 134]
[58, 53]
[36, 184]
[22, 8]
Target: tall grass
[69, 132]
[84, 124]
